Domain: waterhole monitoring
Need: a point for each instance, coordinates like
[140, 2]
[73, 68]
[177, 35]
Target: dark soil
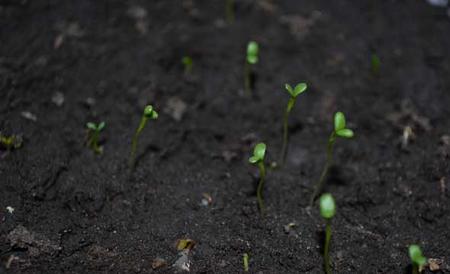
[77, 212]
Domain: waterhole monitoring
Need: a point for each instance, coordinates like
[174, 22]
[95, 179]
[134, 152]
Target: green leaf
[154, 115]
[148, 110]
[258, 153]
[299, 88]
[415, 253]
[289, 89]
[339, 121]
[253, 159]
[91, 125]
[252, 52]
[327, 206]
[345, 133]
[101, 126]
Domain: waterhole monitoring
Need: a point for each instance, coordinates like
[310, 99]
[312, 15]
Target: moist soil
[65, 63]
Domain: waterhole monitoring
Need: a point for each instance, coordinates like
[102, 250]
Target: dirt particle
[434, 264]
[159, 263]
[176, 108]
[35, 244]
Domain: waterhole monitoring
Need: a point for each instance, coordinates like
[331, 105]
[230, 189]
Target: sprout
[417, 259]
[375, 64]
[10, 142]
[149, 113]
[251, 59]
[340, 130]
[93, 136]
[258, 159]
[229, 10]
[327, 210]
[293, 92]
[187, 63]
[245, 259]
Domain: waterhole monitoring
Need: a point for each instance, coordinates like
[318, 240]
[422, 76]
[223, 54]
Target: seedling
[149, 113]
[187, 63]
[339, 131]
[293, 92]
[418, 260]
[250, 61]
[245, 259]
[229, 10]
[327, 211]
[375, 64]
[258, 159]
[10, 142]
[93, 136]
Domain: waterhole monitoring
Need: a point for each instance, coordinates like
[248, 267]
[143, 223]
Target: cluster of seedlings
[327, 205]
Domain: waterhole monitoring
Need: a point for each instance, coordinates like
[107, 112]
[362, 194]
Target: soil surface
[64, 209]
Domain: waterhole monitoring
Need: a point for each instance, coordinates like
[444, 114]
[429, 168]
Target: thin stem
[245, 258]
[324, 173]
[415, 268]
[262, 176]
[326, 249]
[247, 80]
[229, 11]
[286, 130]
[134, 142]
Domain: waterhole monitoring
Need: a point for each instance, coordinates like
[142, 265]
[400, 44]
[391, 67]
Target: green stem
[134, 141]
[324, 173]
[262, 174]
[245, 262]
[229, 11]
[286, 130]
[247, 80]
[326, 249]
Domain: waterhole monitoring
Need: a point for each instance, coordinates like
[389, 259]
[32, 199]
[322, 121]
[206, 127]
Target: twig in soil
[245, 260]
[258, 159]
[293, 92]
[339, 131]
[93, 136]
[250, 61]
[327, 210]
[229, 11]
[417, 259]
[149, 113]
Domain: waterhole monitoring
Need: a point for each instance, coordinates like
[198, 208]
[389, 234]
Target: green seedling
[293, 92]
[93, 136]
[258, 159]
[149, 113]
[245, 259]
[10, 142]
[187, 63]
[339, 131]
[418, 260]
[327, 211]
[251, 59]
[375, 64]
[229, 10]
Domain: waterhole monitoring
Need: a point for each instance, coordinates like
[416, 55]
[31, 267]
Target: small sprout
[149, 113]
[293, 92]
[258, 159]
[187, 63]
[418, 260]
[10, 142]
[245, 259]
[229, 11]
[93, 136]
[251, 60]
[375, 64]
[340, 130]
[327, 211]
